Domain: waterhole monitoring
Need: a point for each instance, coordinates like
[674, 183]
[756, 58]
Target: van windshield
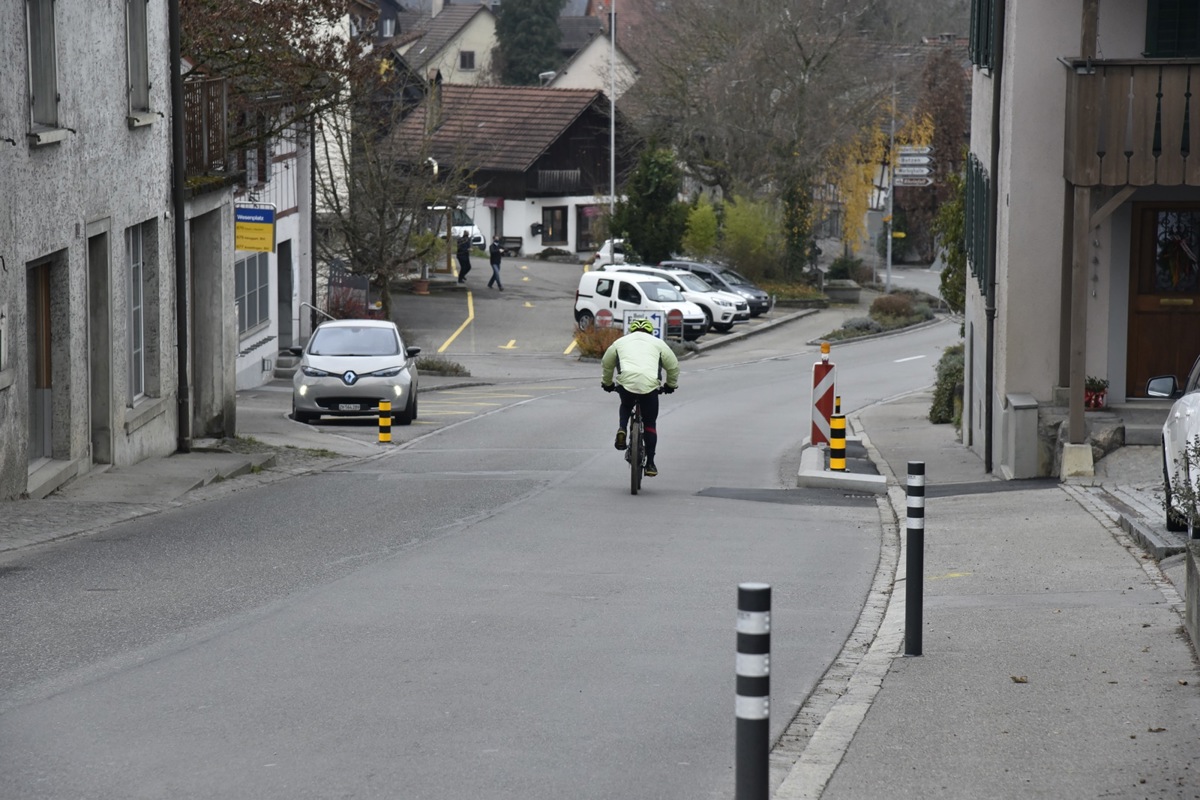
[734, 278]
[661, 292]
[691, 282]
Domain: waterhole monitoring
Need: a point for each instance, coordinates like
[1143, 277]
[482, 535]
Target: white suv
[723, 309]
[604, 297]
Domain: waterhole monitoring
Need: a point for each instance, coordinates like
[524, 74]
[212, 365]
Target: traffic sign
[905, 159]
[910, 171]
[604, 318]
[909, 181]
[915, 149]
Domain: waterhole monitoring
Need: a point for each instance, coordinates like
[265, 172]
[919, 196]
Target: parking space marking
[512, 345]
[466, 322]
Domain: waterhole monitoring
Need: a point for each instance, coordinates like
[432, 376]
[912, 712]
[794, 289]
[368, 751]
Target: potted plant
[1095, 390]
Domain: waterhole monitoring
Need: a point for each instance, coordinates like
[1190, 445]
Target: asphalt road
[483, 612]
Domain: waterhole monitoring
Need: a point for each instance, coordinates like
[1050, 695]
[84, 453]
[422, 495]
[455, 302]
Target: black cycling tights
[649, 416]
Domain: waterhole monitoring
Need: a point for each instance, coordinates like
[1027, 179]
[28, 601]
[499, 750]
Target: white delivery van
[604, 298]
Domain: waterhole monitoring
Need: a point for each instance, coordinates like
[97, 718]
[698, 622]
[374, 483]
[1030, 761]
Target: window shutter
[1172, 29]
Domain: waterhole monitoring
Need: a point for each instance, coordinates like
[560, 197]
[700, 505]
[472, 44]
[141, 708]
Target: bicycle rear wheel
[636, 445]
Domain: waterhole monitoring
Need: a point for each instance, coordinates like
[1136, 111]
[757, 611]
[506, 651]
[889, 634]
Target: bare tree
[375, 191]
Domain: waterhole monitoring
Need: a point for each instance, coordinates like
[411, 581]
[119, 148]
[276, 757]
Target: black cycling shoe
[620, 442]
[650, 470]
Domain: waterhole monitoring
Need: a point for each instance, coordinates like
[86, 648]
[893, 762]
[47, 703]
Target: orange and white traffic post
[824, 378]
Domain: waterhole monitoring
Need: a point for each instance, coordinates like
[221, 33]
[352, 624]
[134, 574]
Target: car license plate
[349, 407]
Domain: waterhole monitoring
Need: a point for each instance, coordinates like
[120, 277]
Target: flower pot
[420, 286]
[1094, 399]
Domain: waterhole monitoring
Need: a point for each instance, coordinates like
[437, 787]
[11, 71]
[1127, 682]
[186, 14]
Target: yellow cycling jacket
[638, 357]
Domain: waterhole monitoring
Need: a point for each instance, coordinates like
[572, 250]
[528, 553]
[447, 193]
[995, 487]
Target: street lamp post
[612, 112]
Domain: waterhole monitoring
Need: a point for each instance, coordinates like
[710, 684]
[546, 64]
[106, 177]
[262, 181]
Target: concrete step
[1143, 433]
[285, 365]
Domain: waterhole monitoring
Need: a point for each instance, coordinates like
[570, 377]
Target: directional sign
[910, 171]
[915, 149]
[913, 160]
[905, 181]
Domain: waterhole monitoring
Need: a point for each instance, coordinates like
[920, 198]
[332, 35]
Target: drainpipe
[998, 11]
[312, 227]
[182, 392]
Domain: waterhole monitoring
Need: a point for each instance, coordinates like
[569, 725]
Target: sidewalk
[1053, 662]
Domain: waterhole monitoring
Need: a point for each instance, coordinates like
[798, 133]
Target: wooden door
[1164, 296]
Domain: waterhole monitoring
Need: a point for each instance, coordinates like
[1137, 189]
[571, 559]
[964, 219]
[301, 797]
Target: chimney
[433, 101]
[438, 5]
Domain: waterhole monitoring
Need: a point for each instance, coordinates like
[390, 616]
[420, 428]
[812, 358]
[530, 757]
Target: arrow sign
[903, 181]
[915, 149]
[907, 159]
[910, 171]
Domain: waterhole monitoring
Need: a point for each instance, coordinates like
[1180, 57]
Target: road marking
[466, 322]
[571, 347]
[949, 575]
[525, 266]
[910, 358]
[512, 345]
[528, 304]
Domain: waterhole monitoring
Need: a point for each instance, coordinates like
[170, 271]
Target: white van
[460, 222]
[603, 298]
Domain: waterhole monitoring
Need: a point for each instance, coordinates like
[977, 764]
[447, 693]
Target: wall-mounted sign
[254, 227]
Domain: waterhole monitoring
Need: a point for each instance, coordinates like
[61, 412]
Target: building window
[1172, 29]
[983, 34]
[388, 27]
[43, 69]
[466, 59]
[135, 253]
[253, 285]
[978, 223]
[139, 58]
[554, 225]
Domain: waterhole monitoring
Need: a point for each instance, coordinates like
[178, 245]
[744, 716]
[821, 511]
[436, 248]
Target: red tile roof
[502, 128]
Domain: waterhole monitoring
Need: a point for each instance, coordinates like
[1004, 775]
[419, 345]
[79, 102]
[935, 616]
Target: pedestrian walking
[464, 256]
[494, 253]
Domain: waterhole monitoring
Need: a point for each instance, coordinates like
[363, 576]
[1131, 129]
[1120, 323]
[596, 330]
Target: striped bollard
[837, 443]
[385, 422]
[824, 380]
[915, 561]
[753, 702]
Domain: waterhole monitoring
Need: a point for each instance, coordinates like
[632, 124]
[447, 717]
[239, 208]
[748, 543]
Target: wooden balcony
[205, 126]
[1133, 122]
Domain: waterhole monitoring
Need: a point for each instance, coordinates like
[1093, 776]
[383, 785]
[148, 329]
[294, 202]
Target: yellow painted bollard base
[837, 443]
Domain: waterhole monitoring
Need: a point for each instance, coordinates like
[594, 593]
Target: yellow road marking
[571, 347]
[528, 304]
[525, 278]
[950, 575]
[512, 345]
[525, 266]
[466, 322]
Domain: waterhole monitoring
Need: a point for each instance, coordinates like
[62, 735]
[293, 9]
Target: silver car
[1180, 440]
[349, 366]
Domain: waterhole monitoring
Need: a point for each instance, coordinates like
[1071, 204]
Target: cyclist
[639, 358]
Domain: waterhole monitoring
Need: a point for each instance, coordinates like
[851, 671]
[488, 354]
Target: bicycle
[636, 453]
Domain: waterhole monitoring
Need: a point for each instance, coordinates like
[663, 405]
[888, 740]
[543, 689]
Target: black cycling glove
[608, 387]
[669, 389]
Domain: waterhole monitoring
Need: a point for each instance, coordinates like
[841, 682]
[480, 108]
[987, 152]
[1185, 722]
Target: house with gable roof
[540, 157]
[454, 40]
[597, 65]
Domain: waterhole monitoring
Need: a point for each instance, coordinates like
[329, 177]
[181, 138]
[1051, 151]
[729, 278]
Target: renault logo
[349, 377]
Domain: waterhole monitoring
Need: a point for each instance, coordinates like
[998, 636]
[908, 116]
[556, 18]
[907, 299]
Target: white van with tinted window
[603, 298]
[723, 309]
[460, 223]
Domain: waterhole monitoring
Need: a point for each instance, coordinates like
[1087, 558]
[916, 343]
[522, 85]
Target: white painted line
[901, 360]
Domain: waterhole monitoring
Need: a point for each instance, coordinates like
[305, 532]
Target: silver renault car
[349, 366]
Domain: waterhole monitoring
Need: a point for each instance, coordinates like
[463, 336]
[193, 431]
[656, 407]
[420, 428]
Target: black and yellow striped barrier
[837, 443]
[385, 422]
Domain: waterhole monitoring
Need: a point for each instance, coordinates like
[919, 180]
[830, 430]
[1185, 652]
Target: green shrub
[891, 305]
[844, 268]
[948, 390]
[701, 237]
[436, 365]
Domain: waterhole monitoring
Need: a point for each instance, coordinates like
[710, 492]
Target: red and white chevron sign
[824, 380]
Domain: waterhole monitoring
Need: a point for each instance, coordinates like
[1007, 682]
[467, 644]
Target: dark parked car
[726, 280]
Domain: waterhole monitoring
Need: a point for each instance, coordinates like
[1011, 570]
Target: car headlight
[313, 372]
[387, 373]
[724, 303]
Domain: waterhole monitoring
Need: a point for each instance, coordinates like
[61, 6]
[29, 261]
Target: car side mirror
[1162, 386]
[412, 352]
[296, 351]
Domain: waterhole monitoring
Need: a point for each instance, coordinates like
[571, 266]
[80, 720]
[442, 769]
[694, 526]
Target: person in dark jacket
[495, 252]
[464, 256]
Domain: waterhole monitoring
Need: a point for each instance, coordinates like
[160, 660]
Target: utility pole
[891, 206]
